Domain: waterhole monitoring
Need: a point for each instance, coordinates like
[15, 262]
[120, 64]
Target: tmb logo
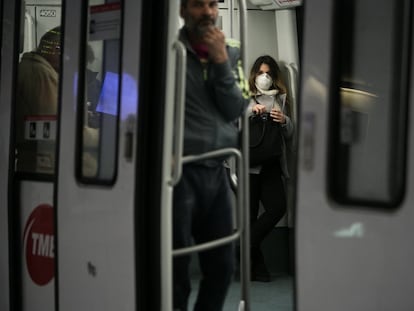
[39, 244]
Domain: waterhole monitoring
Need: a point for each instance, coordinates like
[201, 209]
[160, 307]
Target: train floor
[276, 295]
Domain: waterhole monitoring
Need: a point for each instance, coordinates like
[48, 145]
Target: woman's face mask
[264, 81]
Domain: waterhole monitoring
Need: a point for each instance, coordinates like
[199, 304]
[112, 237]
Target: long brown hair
[274, 73]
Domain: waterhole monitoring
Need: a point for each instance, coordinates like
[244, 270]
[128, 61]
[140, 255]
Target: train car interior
[89, 160]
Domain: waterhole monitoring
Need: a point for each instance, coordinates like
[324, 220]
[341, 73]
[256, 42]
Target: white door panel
[38, 253]
[96, 250]
[111, 221]
[352, 241]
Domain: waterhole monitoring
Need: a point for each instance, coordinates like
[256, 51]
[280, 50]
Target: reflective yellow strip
[243, 85]
[233, 42]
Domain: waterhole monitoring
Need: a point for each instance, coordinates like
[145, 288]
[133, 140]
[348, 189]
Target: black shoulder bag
[265, 139]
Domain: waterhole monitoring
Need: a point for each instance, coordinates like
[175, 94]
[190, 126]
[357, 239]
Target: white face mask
[264, 81]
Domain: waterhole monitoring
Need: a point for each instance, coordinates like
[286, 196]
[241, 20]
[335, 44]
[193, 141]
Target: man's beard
[201, 27]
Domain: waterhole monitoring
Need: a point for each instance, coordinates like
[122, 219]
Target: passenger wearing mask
[269, 100]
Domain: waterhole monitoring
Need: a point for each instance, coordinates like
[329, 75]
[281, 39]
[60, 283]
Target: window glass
[37, 87]
[368, 140]
[101, 93]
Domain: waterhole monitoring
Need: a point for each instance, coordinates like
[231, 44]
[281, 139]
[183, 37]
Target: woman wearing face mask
[267, 179]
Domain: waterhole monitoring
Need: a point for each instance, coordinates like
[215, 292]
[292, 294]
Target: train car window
[369, 103]
[36, 97]
[100, 102]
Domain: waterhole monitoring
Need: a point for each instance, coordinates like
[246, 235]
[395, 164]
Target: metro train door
[28, 140]
[355, 211]
[115, 154]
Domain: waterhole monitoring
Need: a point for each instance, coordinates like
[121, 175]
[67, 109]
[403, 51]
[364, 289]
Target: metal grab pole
[240, 201]
[179, 113]
[245, 236]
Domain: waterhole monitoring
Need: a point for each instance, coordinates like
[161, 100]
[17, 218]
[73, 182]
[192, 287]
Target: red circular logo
[39, 244]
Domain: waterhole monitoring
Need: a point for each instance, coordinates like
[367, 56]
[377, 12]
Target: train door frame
[10, 261]
[7, 259]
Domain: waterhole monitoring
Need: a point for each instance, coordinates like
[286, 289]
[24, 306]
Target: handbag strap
[263, 123]
[264, 126]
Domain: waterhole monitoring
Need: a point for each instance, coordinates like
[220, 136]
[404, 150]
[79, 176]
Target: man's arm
[230, 86]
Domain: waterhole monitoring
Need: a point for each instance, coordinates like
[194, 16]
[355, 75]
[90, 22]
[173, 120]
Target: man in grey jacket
[216, 96]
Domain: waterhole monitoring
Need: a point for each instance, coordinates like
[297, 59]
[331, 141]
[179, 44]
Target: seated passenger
[37, 96]
[37, 106]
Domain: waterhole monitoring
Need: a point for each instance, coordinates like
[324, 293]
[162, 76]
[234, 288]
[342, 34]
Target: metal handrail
[30, 37]
[240, 204]
[243, 33]
[292, 80]
[179, 113]
[245, 237]
[231, 10]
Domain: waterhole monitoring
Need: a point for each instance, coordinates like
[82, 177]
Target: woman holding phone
[268, 100]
